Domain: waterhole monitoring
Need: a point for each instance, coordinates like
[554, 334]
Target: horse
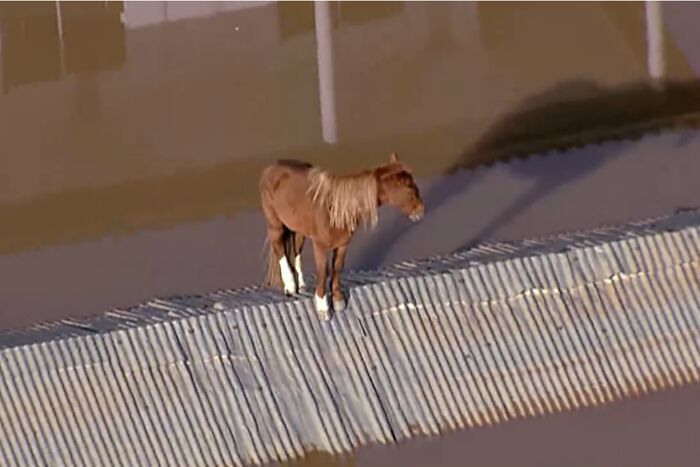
[300, 200]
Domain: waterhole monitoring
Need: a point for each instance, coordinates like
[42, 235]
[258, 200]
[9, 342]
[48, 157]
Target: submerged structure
[472, 338]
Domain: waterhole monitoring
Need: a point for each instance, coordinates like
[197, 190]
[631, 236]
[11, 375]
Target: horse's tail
[273, 275]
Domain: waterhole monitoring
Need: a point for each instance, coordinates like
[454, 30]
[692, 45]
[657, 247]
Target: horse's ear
[393, 158]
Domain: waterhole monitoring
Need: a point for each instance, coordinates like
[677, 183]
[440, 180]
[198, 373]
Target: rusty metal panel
[473, 338]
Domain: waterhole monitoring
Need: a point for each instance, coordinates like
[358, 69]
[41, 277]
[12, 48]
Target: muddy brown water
[133, 134]
[650, 431]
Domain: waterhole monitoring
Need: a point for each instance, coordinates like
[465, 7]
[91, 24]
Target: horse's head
[397, 188]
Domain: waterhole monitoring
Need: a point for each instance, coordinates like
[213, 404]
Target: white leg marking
[322, 303]
[300, 274]
[322, 306]
[287, 276]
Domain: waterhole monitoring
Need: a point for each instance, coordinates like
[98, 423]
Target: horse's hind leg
[276, 235]
[298, 246]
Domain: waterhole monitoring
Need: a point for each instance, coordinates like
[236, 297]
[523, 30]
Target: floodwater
[658, 429]
[133, 135]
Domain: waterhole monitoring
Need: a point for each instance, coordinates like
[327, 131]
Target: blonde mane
[350, 199]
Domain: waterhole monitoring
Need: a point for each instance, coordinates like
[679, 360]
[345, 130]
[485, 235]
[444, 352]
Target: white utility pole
[655, 42]
[326, 78]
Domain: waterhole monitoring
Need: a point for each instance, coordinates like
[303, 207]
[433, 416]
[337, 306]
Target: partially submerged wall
[473, 338]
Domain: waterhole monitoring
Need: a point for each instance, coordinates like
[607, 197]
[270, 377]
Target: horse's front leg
[336, 290]
[320, 297]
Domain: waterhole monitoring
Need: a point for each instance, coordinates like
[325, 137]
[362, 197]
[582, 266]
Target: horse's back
[284, 189]
[286, 177]
[282, 169]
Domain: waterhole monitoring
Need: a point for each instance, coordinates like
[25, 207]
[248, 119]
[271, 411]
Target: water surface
[133, 135]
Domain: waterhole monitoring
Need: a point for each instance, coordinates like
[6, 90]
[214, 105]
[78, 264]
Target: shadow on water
[568, 115]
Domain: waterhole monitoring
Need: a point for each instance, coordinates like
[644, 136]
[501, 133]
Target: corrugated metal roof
[468, 339]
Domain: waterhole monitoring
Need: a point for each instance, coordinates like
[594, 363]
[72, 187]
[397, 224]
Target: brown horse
[301, 201]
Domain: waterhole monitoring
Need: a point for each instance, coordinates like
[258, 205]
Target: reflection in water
[297, 18]
[42, 40]
[93, 35]
[31, 47]
[93, 38]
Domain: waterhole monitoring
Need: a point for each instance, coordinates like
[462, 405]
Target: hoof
[339, 305]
